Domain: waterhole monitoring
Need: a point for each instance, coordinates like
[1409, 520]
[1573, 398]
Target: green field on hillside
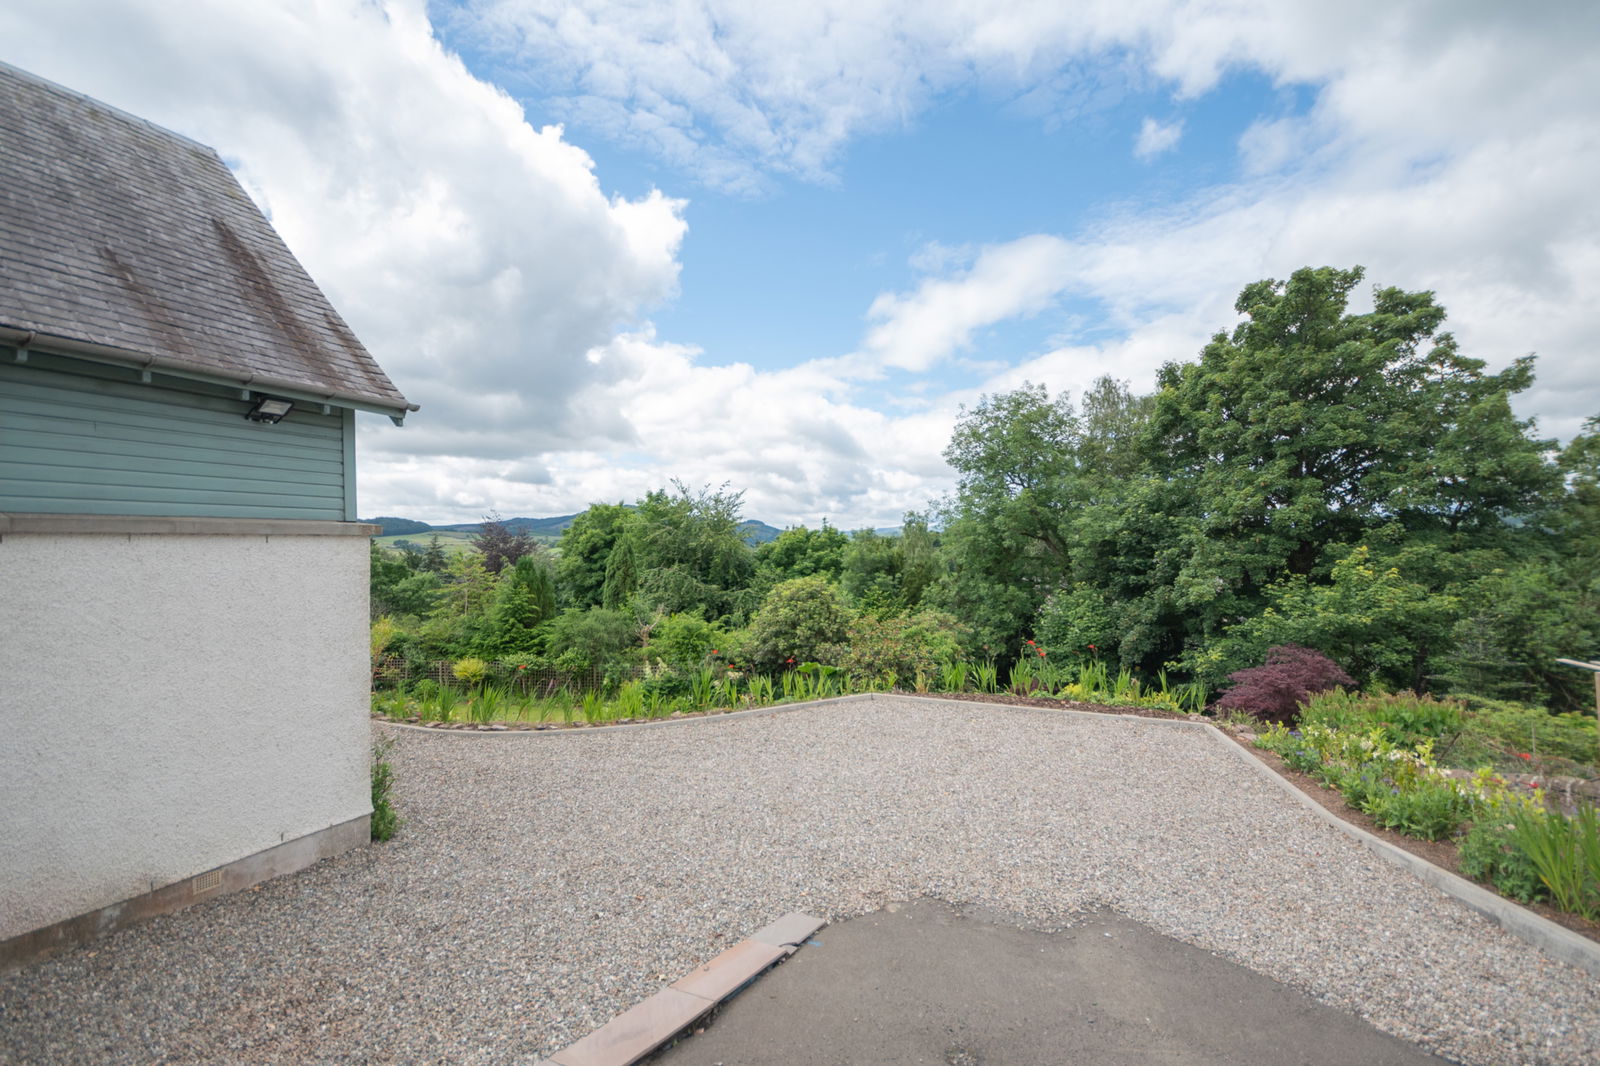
[450, 542]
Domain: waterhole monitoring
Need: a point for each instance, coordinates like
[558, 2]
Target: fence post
[1593, 668]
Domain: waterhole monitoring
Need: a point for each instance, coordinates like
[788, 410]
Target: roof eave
[307, 392]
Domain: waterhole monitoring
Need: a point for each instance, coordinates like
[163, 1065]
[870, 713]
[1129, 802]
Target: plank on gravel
[641, 1029]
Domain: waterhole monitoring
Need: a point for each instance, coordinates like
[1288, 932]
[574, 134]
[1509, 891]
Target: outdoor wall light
[269, 410]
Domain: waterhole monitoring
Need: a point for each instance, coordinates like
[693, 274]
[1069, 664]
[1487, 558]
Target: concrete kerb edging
[1554, 940]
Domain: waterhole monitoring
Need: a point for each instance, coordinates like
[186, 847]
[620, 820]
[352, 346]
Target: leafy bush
[596, 638]
[900, 649]
[802, 619]
[1399, 786]
[1274, 692]
[1504, 728]
[1429, 809]
[1077, 621]
[385, 822]
[1489, 854]
[382, 633]
[682, 640]
[470, 671]
[664, 683]
[1404, 717]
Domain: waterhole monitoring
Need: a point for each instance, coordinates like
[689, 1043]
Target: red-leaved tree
[1274, 692]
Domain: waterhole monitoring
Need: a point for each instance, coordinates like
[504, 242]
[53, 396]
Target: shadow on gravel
[926, 983]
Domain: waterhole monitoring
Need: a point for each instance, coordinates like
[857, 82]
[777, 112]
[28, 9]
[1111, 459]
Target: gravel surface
[544, 882]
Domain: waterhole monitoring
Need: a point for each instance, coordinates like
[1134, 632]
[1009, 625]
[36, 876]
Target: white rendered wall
[170, 703]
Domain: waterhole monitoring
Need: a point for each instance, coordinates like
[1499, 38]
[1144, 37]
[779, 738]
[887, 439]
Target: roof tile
[116, 232]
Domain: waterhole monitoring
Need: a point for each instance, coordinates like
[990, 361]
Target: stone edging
[1553, 939]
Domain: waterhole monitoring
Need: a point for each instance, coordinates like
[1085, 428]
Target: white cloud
[732, 91]
[1450, 146]
[778, 436]
[918, 330]
[1157, 137]
[474, 254]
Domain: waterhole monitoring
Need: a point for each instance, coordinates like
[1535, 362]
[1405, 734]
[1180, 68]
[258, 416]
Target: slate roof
[116, 234]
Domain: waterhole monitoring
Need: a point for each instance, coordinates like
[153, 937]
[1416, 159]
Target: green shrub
[1431, 810]
[1489, 853]
[392, 704]
[665, 683]
[684, 640]
[594, 639]
[1566, 853]
[1501, 728]
[1404, 717]
[804, 619]
[900, 648]
[470, 671]
[385, 822]
[1078, 621]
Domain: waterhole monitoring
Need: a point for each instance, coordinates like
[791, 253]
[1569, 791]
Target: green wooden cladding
[78, 437]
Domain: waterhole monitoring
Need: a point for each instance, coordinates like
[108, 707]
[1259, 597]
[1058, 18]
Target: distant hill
[753, 530]
[758, 532]
[393, 527]
[534, 527]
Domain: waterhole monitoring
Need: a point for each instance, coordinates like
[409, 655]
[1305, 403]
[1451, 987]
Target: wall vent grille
[209, 881]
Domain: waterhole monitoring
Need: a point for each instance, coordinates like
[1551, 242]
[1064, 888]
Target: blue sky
[610, 243]
[786, 272]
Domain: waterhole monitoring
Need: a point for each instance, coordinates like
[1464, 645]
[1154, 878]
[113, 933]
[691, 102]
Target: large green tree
[1041, 492]
[585, 549]
[801, 552]
[686, 553]
[873, 564]
[1308, 426]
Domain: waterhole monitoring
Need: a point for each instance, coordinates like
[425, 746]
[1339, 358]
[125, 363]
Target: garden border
[1554, 940]
[584, 729]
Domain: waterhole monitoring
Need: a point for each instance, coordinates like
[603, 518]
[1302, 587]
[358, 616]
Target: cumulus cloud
[1447, 146]
[797, 454]
[919, 329]
[1157, 137]
[472, 251]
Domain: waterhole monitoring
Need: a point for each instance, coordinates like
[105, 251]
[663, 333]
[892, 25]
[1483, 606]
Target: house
[183, 582]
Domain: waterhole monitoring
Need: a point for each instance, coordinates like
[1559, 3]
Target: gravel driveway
[543, 882]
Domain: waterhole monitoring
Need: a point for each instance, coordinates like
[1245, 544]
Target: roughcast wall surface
[171, 703]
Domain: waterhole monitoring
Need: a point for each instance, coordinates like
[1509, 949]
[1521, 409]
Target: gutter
[24, 339]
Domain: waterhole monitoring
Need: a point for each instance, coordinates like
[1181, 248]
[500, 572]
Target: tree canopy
[1341, 480]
